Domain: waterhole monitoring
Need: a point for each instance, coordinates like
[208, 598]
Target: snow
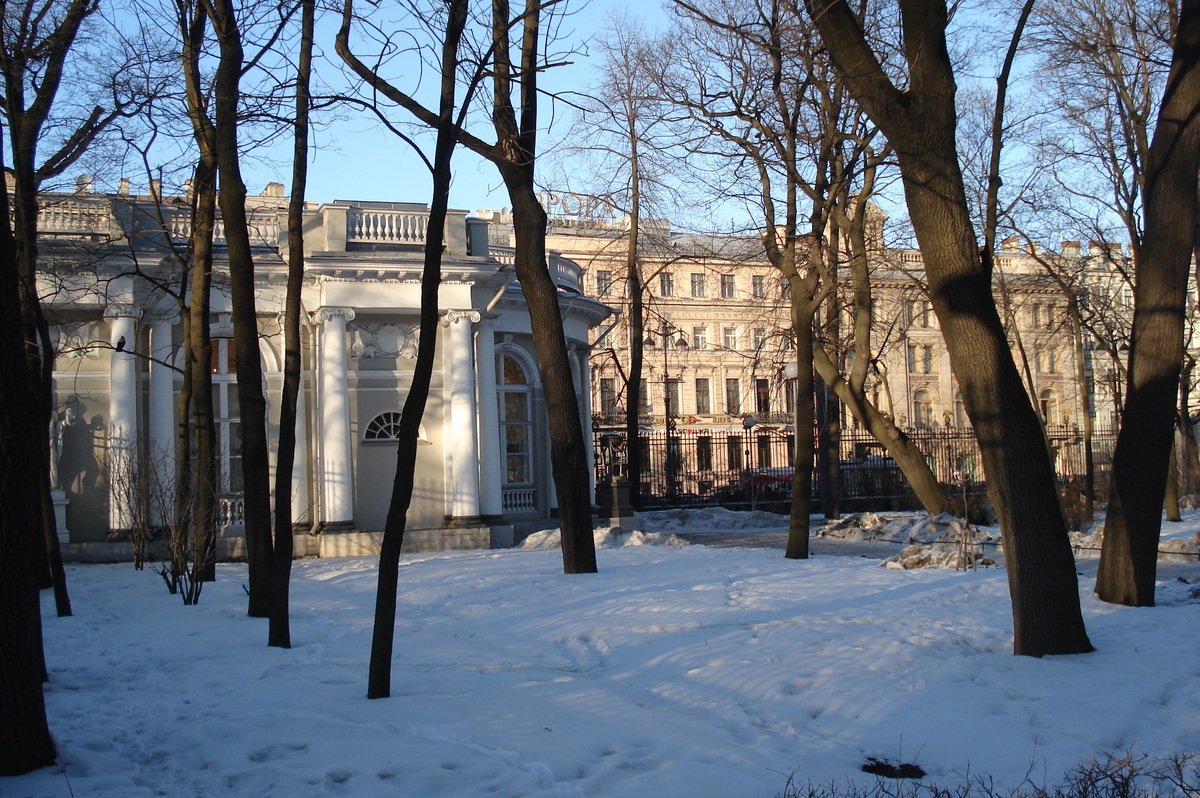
[678, 670]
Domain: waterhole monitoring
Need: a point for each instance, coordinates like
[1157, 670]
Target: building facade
[112, 284]
[718, 344]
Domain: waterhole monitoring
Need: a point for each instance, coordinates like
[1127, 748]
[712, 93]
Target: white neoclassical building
[111, 278]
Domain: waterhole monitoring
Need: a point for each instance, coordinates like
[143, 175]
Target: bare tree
[25, 742]
[514, 117]
[36, 42]
[280, 628]
[1129, 557]
[762, 98]
[621, 124]
[920, 122]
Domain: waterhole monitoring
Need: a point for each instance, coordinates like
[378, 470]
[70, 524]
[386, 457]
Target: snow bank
[610, 538]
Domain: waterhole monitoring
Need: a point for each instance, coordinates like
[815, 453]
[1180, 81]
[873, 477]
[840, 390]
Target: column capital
[329, 314]
[455, 316]
[122, 312]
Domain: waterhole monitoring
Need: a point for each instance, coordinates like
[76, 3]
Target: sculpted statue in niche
[385, 341]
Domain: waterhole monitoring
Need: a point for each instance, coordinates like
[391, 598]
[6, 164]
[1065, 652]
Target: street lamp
[748, 423]
[669, 423]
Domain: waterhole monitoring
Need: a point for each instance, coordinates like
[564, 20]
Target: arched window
[1048, 403]
[516, 422]
[385, 428]
[923, 408]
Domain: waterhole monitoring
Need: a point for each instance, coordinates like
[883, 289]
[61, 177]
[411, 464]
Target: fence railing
[742, 467]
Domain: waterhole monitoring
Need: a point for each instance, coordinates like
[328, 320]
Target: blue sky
[354, 158]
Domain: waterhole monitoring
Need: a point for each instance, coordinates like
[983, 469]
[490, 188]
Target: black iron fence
[740, 468]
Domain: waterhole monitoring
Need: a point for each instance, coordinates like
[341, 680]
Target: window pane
[516, 407]
[513, 373]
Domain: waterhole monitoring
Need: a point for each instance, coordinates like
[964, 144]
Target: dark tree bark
[29, 47]
[25, 742]
[1129, 558]
[196, 486]
[252, 403]
[920, 123]
[281, 571]
[515, 158]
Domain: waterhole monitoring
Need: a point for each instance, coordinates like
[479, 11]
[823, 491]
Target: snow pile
[939, 555]
[606, 538]
[691, 518]
[902, 528]
[941, 542]
[1176, 544]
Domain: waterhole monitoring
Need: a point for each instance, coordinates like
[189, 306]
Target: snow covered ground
[676, 671]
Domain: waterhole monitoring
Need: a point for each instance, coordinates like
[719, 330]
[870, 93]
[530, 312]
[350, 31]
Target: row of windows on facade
[923, 401]
[731, 338]
[923, 416]
[764, 401]
[726, 285]
[921, 360]
[1040, 316]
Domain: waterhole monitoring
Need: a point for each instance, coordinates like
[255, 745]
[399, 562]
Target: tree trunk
[799, 521]
[279, 633]
[921, 125]
[568, 452]
[1129, 557]
[379, 678]
[636, 322]
[252, 404]
[25, 742]
[516, 131]
[1171, 500]
[199, 492]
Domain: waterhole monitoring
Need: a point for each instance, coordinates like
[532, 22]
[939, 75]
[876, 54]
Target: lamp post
[748, 423]
[670, 459]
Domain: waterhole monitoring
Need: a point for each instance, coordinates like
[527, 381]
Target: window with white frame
[227, 414]
[923, 409]
[758, 286]
[384, 427]
[920, 359]
[604, 283]
[733, 396]
[699, 337]
[698, 285]
[703, 397]
[666, 284]
[728, 286]
[1048, 404]
[516, 421]
[729, 337]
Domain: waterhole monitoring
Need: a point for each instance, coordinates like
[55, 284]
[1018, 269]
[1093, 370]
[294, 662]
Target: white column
[122, 411]
[583, 384]
[338, 511]
[491, 466]
[301, 505]
[162, 408]
[461, 439]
